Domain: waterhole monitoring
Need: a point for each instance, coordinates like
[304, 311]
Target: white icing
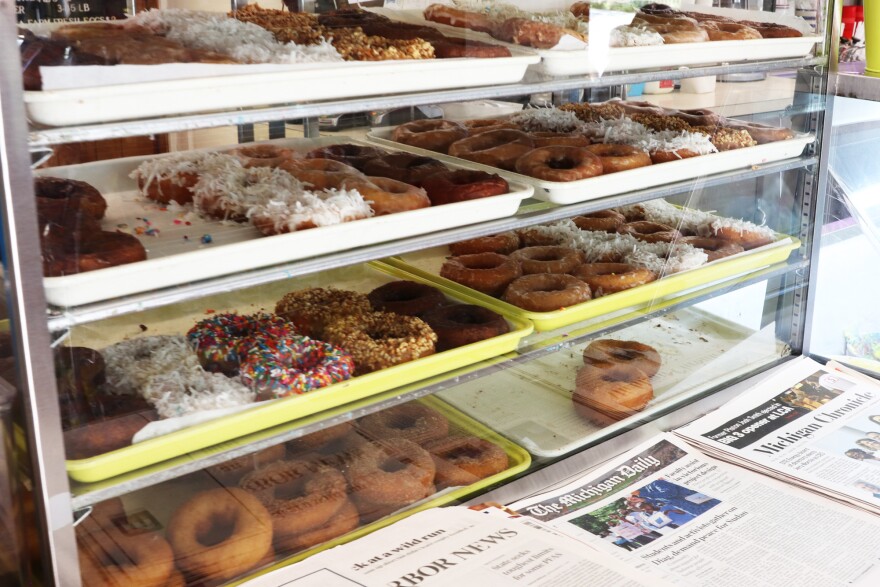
[631, 36]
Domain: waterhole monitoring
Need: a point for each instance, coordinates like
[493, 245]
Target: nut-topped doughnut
[311, 309]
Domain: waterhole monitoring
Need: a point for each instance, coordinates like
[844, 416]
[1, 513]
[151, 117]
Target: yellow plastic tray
[519, 461]
[426, 265]
[272, 413]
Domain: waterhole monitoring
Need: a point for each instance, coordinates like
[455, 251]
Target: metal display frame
[57, 499]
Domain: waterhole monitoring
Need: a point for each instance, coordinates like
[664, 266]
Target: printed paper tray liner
[425, 266]
[272, 413]
[519, 461]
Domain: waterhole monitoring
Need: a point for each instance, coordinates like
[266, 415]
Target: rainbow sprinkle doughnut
[222, 341]
[293, 365]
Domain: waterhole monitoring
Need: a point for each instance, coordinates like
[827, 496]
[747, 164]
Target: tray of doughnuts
[627, 42]
[172, 380]
[298, 498]
[535, 403]
[594, 265]
[184, 240]
[631, 146]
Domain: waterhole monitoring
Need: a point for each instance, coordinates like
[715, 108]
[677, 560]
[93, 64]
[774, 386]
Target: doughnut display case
[233, 340]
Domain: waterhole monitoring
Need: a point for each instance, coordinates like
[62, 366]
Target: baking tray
[426, 264]
[308, 82]
[177, 256]
[599, 60]
[531, 403]
[631, 180]
[261, 416]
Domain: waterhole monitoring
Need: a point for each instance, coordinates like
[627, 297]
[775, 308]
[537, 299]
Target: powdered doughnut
[460, 185]
[602, 221]
[715, 248]
[497, 148]
[393, 472]
[223, 340]
[298, 497]
[311, 309]
[433, 135]
[220, 533]
[293, 365]
[650, 232]
[546, 292]
[503, 244]
[624, 352]
[462, 460]
[619, 157]
[609, 278]
[409, 298]
[559, 164]
[461, 324]
[607, 393]
[379, 340]
[547, 259]
[488, 273]
[413, 421]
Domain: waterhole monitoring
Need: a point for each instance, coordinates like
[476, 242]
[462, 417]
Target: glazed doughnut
[388, 196]
[609, 278]
[546, 292]
[531, 33]
[60, 199]
[742, 235]
[674, 36]
[312, 309]
[658, 157]
[535, 237]
[547, 259]
[299, 497]
[619, 157]
[321, 174]
[503, 244]
[462, 460]
[623, 352]
[715, 248]
[460, 185]
[392, 472]
[409, 298]
[462, 324]
[452, 47]
[559, 139]
[262, 155]
[560, 164]
[223, 340]
[413, 421]
[496, 148]
[771, 30]
[762, 133]
[65, 255]
[650, 232]
[176, 579]
[380, 339]
[602, 221]
[342, 522]
[474, 21]
[581, 10]
[607, 393]
[220, 533]
[405, 167]
[729, 31]
[486, 124]
[293, 365]
[433, 135]
[657, 9]
[356, 156]
[231, 472]
[488, 273]
[107, 557]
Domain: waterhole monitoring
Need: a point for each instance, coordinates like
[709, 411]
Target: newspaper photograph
[666, 509]
[811, 425]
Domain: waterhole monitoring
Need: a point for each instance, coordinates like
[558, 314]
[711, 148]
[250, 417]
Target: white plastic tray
[531, 403]
[633, 179]
[175, 260]
[319, 81]
[599, 60]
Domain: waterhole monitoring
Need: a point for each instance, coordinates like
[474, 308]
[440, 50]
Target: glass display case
[212, 372]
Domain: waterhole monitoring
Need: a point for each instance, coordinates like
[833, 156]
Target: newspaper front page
[666, 509]
[459, 547]
[815, 426]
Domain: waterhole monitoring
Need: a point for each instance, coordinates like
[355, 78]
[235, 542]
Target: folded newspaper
[665, 512]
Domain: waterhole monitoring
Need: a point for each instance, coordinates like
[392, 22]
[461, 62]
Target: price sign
[31, 11]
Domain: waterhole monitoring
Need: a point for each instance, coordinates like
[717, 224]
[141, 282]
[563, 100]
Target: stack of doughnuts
[615, 381]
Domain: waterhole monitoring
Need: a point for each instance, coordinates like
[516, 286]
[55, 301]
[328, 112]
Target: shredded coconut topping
[627, 132]
[631, 36]
[691, 221]
[547, 119]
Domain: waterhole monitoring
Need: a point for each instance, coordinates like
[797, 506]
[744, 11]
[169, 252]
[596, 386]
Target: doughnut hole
[217, 528]
[561, 163]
